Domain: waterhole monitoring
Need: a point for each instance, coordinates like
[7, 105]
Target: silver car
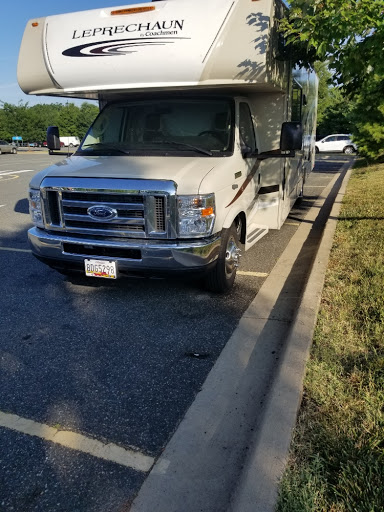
[6, 147]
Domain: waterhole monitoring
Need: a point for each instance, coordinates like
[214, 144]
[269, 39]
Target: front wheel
[221, 278]
[348, 150]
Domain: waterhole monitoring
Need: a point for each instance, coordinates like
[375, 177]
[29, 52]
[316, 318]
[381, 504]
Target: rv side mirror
[53, 138]
[247, 151]
[291, 136]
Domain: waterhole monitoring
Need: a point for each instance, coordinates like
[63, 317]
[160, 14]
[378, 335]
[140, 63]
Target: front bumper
[147, 256]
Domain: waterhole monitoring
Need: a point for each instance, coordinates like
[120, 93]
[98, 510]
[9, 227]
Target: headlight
[35, 207]
[196, 215]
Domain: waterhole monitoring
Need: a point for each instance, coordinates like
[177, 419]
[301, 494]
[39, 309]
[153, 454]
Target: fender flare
[234, 212]
[231, 216]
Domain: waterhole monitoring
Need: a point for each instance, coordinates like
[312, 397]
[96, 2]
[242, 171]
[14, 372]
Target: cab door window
[247, 132]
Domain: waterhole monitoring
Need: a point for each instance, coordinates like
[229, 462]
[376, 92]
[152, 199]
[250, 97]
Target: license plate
[100, 268]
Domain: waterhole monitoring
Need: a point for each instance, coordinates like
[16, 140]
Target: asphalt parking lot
[114, 365]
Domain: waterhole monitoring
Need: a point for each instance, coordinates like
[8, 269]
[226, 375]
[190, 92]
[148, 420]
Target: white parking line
[111, 452]
[6, 173]
[253, 274]
[14, 249]
[9, 178]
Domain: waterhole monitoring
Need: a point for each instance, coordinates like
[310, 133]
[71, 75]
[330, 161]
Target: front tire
[299, 199]
[221, 278]
[348, 150]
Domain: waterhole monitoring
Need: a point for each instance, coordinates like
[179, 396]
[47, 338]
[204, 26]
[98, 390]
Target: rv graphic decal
[147, 28]
[117, 47]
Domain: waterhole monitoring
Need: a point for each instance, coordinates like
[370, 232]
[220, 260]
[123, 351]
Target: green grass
[337, 454]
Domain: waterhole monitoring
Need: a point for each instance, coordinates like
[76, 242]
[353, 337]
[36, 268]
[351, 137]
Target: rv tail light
[35, 24]
[132, 10]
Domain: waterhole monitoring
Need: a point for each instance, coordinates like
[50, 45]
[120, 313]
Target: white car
[338, 142]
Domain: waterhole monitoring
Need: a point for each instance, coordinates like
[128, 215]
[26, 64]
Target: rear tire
[221, 278]
[301, 193]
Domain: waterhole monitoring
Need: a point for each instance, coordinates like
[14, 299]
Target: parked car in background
[71, 142]
[340, 142]
[6, 147]
[44, 144]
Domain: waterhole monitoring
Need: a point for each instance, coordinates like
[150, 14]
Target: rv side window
[247, 133]
[297, 102]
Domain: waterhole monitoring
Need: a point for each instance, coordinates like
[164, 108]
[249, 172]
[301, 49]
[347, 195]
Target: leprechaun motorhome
[203, 142]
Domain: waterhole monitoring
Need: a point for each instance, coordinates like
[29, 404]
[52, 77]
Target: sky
[11, 34]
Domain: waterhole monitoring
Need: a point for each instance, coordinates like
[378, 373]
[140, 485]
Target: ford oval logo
[102, 212]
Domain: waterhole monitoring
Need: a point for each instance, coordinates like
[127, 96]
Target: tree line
[31, 122]
[335, 111]
[348, 36]
[334, 115]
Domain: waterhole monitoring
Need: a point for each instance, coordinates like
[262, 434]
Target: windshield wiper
[184, 144]
[104, 145]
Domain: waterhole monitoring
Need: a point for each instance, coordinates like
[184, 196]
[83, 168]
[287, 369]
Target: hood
[186, 172]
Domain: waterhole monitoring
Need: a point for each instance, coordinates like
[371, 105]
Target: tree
[67, 120]
[86, 116]
[31, 123]
[4, 133]
[41, 117]
[368, 118]
[349, 34]
[16, 120]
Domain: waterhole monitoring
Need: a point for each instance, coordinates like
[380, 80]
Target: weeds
[337, 455]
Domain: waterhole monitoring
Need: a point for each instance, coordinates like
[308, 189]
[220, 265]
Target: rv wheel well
[241, 226]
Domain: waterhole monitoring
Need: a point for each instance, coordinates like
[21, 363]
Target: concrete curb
[257, 490]
[229, 451]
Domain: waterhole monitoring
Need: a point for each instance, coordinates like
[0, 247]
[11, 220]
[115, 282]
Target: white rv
[203, 142]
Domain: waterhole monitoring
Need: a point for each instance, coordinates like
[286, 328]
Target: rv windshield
[201, 127]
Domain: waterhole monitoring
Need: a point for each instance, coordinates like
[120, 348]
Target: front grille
[135, 215]
[102, 198]
[108, 252]
[159, 213]
[103, 226]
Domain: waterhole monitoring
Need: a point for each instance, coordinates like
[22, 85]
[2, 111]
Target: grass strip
[337, 454]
